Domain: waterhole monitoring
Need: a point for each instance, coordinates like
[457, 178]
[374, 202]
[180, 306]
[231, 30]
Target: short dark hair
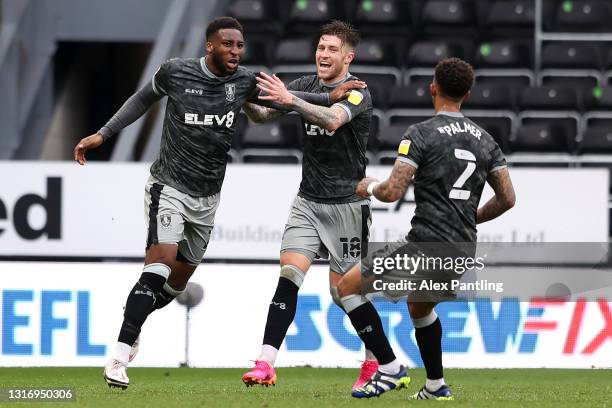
[344, 31]
[220, 23]
[454, 77]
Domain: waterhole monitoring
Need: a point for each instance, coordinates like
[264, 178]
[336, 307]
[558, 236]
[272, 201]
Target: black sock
[139, 304]
[367, 323]
[281, 312]
[162, 299]
[429, 340]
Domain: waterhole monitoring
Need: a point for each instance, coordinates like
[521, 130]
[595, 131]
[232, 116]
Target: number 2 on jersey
[456, 193]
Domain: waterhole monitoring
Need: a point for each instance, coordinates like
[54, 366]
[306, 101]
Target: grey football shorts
[337, 231]
[174, 217]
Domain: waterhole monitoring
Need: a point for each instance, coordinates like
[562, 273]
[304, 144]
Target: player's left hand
[343, 90]
[274, 88]
[362, 187]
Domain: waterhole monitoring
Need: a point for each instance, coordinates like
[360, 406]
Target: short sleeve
[296, 85]
[497, 160]
[411, 148]
[161, 78]
[356, 103]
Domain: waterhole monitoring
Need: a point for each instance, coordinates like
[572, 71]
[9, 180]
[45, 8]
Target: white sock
[268, 354]
[369, 356]
[122, 352]
[390, 368]
[434, 385]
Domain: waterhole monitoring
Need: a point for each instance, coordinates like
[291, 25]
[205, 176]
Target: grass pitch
[313, 387]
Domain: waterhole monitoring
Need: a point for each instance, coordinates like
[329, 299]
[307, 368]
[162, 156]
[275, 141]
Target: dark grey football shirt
[453, 156]
[334, 162]
[199, 123]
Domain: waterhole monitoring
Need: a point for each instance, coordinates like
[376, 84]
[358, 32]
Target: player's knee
[293, 274]
[419, 310]
[352, 302]
[333, 290]
[346, 288]
[153, 274]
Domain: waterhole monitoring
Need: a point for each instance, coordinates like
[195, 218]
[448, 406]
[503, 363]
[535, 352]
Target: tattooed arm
[391, 189]
[261, 114]
[328, 118]
[503, 200]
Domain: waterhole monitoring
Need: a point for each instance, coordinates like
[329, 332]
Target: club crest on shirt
[165, 220]
[230, 92]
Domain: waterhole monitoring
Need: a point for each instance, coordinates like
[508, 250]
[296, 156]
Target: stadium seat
[295, 51]
[449, 17]
[504, 54]
[545, 135]
[514, 14]
[500, 125]
[257, 51]
[583, 82]
[428, 53]
[389, 17]
[549, 98]
[570, 55]
[600, 99]
[407, 117]
[388, 140]
[376, 52]
[410, 96]
[515, 80]
[582, 16]
[597, 137]
[485, 96]
[282, 133]
[256, 16]
[306, 16]
[275, 142]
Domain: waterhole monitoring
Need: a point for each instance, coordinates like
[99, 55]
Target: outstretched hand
[274, 88]
[89, 142]
[362, 187]
[343, 90]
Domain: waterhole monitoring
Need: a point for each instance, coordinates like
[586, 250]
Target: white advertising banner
[55, 314]
[62, 209]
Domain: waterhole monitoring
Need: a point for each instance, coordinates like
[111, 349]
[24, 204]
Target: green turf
[314, 387]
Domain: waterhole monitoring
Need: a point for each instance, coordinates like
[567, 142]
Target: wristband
[371, 187]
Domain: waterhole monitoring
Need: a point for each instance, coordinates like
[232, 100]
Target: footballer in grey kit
[334, 161]
[328, 219]
[453, 156]
[205, 96]
[199, 123]
[449, 159]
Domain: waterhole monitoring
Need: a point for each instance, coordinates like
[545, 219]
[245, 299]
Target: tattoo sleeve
[328, 118]
[261, 114]
[503, 200]
[395, 186]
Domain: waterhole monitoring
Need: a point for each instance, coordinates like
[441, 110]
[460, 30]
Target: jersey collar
[335, 84]
[453, 114]
[208, 72]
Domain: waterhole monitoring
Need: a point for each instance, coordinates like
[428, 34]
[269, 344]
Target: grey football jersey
[453, 156]
[199, 123]
[334, 162]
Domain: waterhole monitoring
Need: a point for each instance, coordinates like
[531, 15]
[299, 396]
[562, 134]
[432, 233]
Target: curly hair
[347, 34]
[220, 23]
[454, 77]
